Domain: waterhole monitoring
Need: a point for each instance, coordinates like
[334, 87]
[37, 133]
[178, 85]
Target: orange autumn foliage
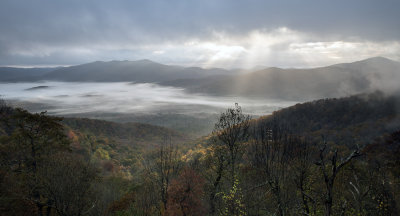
[185, 195]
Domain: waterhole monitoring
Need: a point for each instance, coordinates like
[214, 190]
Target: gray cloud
[71, 32]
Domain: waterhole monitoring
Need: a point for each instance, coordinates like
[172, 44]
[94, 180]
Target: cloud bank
[209, 33]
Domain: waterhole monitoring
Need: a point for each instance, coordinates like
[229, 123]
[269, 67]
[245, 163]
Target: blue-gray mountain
[275, 83]
[305, 84]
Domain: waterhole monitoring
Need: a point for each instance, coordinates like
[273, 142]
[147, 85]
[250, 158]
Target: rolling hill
[128, 71]
[116, 140]
[305, 84]
[10, 74]
[121, 143]
[113, 71]
[139, 134]
[348, 121]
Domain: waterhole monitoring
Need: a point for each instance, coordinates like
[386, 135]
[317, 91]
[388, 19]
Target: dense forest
[325, 157]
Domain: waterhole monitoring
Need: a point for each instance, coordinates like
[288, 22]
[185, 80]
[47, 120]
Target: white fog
[66, 98]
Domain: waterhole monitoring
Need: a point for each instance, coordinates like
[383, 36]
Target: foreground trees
[42, 177]
[274, 172]
[227, 147]
[167, 166]
[271, 154]
[245, 167]
[68, 183]
[330, 172]
[185, 194]
[34, 139]
[230, 132]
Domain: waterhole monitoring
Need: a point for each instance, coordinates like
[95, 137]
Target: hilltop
[349, 121]
[338, 80]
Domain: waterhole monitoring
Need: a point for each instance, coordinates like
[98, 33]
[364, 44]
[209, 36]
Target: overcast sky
[208, 33]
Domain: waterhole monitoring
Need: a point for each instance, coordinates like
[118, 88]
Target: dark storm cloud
[61, 32]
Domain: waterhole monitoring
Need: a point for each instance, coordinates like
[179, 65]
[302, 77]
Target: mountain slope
[116, 143]
[101, 141]
[145, 135]
[134, 71]
[349, 121]
[305, 84]
[22, 74]
[132, 133]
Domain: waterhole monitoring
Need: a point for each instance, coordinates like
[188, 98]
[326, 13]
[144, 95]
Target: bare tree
[330, 169]
[359, 192]
[302, 168]
[270, 154]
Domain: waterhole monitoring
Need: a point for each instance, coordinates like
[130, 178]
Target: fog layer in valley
[66, 98]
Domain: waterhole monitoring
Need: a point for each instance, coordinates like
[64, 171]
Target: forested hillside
[85, 149]
[325, 157]
[134, 133]
[349, 121]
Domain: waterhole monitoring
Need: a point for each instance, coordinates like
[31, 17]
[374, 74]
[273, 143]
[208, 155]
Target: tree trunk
[329, 201]
[214, 190]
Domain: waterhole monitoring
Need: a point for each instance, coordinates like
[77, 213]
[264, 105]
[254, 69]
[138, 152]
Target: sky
[206, 33]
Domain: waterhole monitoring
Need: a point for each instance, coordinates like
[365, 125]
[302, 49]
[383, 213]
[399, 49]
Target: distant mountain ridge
[324, 82]
[112, 71]
[133, 71]
[22, 74]
[337, 80]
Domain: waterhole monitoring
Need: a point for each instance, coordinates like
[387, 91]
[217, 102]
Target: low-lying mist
[70, 98]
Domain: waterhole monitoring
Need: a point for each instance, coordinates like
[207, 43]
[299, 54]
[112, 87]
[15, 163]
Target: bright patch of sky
[208, 33]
